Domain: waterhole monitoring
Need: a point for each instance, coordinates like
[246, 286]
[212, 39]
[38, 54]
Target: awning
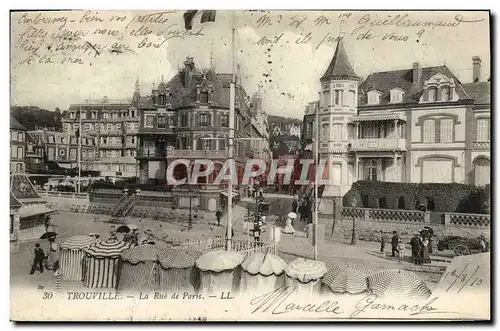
[224, 193]
[386, 116]
[33, 210]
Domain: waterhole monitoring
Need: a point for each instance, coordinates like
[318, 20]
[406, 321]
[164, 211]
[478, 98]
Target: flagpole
[79, 150]
[316, 204]
[232, 99]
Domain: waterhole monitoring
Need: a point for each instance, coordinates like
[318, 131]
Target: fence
[71, 195]
[467, 220]
[219, 243]
[387, 215]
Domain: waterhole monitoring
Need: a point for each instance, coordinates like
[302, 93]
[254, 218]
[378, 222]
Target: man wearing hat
[38, 260]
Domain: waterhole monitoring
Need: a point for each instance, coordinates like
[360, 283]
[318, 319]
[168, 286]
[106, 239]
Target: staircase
[124, 206]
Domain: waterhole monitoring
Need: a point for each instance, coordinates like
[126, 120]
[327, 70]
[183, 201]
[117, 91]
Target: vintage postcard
[211, 165]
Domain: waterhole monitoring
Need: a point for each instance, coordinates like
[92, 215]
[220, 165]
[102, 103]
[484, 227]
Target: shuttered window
[446, 130]
[483, 129]
[429, 135]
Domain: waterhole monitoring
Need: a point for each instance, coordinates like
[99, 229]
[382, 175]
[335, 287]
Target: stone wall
[370, 230]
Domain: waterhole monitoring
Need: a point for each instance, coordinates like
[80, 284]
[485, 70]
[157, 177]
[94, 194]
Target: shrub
[451, 197]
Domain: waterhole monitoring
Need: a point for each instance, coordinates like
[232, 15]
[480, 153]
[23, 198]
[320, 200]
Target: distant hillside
[32, 117]
[281, 121]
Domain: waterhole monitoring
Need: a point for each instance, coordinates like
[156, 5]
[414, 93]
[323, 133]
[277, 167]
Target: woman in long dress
[53, 254]
[425, 251]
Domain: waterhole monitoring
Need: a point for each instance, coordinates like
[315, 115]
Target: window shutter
[209, 119]
[196, 120]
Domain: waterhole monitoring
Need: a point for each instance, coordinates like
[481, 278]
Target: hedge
[451, 197]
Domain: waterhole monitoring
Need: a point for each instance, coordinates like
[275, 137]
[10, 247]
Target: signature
[279, 303]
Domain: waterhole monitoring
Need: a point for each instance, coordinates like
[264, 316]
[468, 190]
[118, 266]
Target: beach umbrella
[346, 279]
[292, 215]
[264, 264]
[48, 235]
[398, 283]
[305, 270]
[123, 229]
[218, 261]
[304, 276]
[175, 258]
[136, 254]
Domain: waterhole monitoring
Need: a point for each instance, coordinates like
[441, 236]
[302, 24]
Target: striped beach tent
[345, 279]
[138, 271]
[102, 262]
[220, 271]
[177, 272]
[305, 275]
[72, 257]
[398, 283]
[262, 272]
[58, 281]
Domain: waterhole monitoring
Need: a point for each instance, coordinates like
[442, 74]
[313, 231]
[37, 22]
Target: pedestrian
[425, 251]
[395, 243]
[431, 235]
[382, 241]
[38, 260]
[58, 277]
[53, 255]
[401, 249]
[415, 249]
[294, 204]
[134, 238]
[218, 214]
[47, 222]
[483, 244]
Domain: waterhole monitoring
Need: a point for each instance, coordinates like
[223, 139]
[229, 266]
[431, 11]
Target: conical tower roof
[339, 66]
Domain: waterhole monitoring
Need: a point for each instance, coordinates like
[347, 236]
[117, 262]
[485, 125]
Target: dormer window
[445, 93]
[374, 97]
[163, 100]
[204, 97]
[397, 95]
[432, 94]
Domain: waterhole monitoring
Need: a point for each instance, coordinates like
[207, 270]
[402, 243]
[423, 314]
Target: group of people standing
[421, 246]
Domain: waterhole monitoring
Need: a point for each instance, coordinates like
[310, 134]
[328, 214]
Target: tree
[32, 117]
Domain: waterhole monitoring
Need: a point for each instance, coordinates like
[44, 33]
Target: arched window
[482, 171]
[401, 203]
[445, 93]
[382, 203]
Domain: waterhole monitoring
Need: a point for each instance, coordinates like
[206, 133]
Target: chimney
[188, 69]
[417, 76]
[476, 69]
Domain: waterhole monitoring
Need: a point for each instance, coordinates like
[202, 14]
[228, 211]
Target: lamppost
[353, 239]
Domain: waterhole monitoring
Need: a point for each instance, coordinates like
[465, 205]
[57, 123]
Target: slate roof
[387, 80]
[14, 124]
[480, 92]
[182, 96]
[101, 105]
[340, 65]
[14, 203]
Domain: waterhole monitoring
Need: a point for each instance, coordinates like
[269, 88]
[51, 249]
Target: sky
[287, 70]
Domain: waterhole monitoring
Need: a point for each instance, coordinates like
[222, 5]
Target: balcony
[150, 153]
[481, 145]
[190, 154]
[153, 131]
[111, 145]
[131, 145]
[378, 144]
[111, 132]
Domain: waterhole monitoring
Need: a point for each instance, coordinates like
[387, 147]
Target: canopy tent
[219, 272]
[398, 283]
[305, 275]
[176, 271]
[102, 263]
[262, 273]
[138, 269]
[345, 279]
[73, 256]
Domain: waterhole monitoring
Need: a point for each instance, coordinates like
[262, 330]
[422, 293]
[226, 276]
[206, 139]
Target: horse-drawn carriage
[461, 245]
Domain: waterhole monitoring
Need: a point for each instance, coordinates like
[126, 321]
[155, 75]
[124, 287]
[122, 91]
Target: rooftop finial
[162, 78]
[137, 86]
[212, 56]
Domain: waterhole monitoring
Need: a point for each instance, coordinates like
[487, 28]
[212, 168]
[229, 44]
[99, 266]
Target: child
[38, 260]
[401, 249]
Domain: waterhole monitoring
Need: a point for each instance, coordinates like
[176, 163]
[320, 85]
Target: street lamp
[353, 238]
